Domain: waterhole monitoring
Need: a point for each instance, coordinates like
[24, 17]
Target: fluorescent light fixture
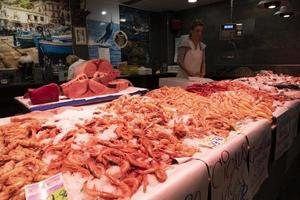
[103, 12]
[285, 11]
[192, 1]
[122, 20]
[271, 4]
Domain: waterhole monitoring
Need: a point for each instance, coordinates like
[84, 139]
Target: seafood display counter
[168, 144]
[155, 186]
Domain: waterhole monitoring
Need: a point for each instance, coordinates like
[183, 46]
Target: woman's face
[197, 33]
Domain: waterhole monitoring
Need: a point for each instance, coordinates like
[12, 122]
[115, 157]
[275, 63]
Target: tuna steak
[77, 87]
[45, 94]
[82, 86]
[98, 65]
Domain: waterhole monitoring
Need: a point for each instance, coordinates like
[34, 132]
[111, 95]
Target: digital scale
[231, 31]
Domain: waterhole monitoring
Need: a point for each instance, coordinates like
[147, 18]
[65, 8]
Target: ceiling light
[285, 11]
[103, 12]
[192, 1]
[271, 4]
[122, 20]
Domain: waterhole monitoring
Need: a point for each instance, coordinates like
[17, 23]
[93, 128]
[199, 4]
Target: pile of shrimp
[20, 158]
[218, 112]
[143, 144]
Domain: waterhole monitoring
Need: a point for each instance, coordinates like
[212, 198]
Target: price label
[49, 189]
[212, 141]
[60, 194]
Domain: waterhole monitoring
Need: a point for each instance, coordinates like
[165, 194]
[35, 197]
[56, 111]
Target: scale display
[228, 26]
[231, 31]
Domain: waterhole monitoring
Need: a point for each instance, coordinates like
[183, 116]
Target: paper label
[287, 127]
[104, 53]
[293, 129]
[49, 189]
[212, 141]
[228, 169]
[259, 138]
[282, 132]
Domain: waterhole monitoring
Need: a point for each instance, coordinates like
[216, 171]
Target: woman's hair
[196, 23]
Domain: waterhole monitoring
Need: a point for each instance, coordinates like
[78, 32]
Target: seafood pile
[93, 78]
[122, 144]
[219, 112]
[117, 149]
[269, 76]
[221, 86]
[272, 83]
[20, 158]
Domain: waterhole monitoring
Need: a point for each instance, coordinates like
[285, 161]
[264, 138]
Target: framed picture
[120, 39]
[80, 36]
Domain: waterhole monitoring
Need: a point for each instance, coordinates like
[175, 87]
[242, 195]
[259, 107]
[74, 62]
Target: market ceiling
[166, 5]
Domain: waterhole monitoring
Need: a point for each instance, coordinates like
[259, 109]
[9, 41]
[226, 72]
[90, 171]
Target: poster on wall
[35, 29]
[102, 25]
[135, 23]
[101, 38]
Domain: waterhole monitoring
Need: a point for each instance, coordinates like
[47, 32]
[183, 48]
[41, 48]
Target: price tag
[49, 189]
[60, 194]
[212, 141]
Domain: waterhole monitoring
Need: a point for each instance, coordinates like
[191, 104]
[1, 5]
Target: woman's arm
[180, 58]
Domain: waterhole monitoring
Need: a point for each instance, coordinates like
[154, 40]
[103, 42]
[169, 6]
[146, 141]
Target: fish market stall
[199, 143]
